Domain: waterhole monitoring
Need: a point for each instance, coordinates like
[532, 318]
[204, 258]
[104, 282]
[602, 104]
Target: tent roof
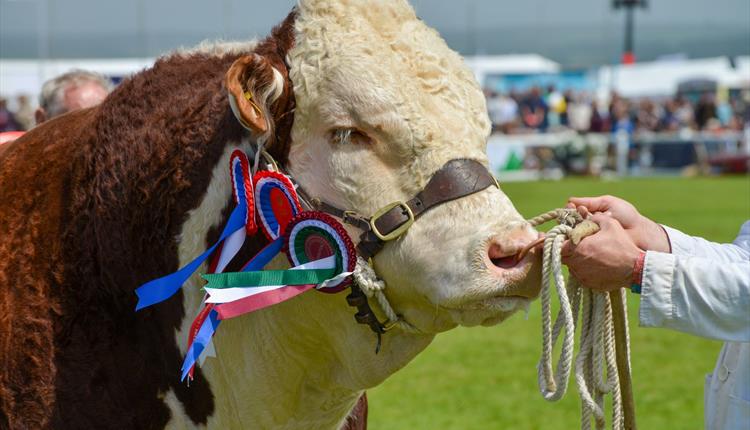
[661, 78]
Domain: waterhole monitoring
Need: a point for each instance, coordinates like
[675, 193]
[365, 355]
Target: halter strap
[457, 178]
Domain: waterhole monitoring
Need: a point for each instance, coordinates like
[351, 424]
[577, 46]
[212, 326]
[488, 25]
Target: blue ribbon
[202, 338]
[161, 289]
[158, 290]
[264, 256]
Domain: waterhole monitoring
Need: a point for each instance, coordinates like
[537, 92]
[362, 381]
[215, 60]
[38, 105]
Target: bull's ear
[251, 82]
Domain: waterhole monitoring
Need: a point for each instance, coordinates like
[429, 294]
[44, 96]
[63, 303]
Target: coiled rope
[602, 365]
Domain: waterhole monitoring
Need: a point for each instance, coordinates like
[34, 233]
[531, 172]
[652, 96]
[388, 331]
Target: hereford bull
[361, 102]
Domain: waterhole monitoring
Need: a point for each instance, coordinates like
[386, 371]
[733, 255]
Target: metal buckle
[348, 216]
[400, 229]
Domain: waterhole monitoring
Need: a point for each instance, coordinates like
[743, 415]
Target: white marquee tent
[661, 78]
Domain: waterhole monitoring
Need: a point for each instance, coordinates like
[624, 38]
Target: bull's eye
[349, 136]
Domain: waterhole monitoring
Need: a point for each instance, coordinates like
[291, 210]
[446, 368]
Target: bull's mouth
[514, 284]
[509, 295]
[488, 311]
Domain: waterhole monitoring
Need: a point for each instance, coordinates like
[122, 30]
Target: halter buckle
[351, 217]
[398, 231]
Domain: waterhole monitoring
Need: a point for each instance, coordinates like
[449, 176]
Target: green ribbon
[268, 277]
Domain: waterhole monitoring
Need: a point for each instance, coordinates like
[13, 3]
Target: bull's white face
[383, 103]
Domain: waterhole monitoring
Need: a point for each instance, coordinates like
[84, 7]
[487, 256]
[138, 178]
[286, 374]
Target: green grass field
[485, 378]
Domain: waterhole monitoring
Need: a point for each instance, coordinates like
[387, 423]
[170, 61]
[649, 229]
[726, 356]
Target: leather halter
[457, 178]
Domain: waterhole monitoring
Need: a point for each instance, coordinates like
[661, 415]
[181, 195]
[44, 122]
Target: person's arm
[686, 245]
[696, 295]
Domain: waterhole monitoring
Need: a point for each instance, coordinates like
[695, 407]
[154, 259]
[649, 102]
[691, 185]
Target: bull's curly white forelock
[375, 57]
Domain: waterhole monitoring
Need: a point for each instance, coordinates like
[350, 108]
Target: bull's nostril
[505, 262]
[502, 258]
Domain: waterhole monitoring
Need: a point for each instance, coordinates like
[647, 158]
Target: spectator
[568, 98]
[619, 109]
[684, 113]
[647, 115]
[503, 111]
[77, 89]
[557, 107]
[24, 113]
[8, 121]
[669, 121]
[724, 111]
[598, 121]
[705, 111]
[534, 111]
[579, 115]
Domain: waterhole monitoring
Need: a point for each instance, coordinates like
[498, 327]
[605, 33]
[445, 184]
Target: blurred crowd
[19, 119]
[548, 109]
[535, 110]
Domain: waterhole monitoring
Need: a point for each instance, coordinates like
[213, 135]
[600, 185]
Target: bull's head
[382, 103]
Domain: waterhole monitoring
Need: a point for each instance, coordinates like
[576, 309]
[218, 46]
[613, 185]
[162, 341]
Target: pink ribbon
[260, 301]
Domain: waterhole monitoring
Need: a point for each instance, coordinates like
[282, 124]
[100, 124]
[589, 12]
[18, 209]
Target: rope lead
[602, 365]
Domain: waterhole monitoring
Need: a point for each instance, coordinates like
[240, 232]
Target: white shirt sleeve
[690, 246]
[702, 288]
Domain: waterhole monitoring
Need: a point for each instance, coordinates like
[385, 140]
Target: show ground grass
[485, 378]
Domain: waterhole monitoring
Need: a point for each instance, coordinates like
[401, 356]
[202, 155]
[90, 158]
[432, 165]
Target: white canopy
[661, 78]
[484, 65]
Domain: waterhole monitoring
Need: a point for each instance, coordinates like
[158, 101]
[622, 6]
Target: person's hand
[603, 261]
[646, 234]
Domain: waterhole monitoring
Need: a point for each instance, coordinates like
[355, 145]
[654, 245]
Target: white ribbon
[225, 295]
[231, 246]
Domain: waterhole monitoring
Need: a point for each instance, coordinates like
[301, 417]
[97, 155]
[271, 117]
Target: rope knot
[367, 279]
[569, 217]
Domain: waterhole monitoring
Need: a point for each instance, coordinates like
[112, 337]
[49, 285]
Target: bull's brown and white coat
[101, 200]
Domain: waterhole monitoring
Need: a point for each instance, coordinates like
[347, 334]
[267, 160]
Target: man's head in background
[76, 89]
